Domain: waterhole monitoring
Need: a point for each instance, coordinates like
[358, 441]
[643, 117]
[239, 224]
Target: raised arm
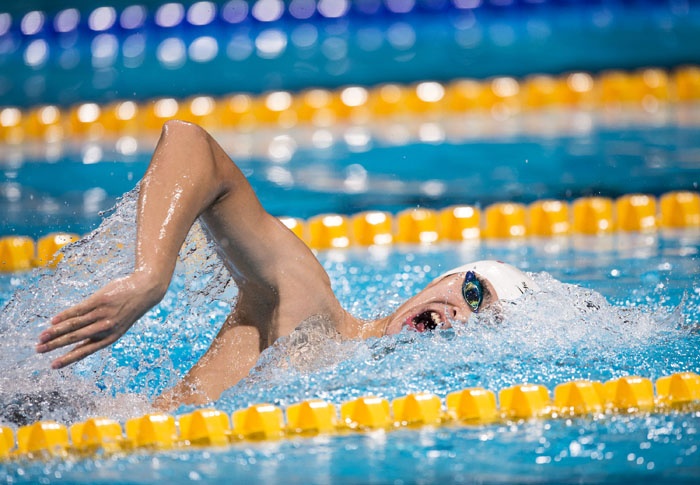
[191, 176]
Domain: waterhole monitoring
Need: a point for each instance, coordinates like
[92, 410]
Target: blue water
[645, 323]
[617, 450]
[603, 313]
[433, 41]
[68, 195]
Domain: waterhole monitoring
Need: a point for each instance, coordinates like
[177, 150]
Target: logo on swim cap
[507, 280]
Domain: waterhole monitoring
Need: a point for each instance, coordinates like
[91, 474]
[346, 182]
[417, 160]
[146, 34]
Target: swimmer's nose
[461, 314]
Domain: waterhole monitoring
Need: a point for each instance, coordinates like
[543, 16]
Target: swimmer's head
[456, 294]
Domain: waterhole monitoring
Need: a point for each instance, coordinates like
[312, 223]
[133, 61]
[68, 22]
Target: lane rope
[651, 90]
[676, 212]
[679, 392]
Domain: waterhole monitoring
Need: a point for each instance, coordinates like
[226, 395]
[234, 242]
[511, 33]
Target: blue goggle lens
[472, 291]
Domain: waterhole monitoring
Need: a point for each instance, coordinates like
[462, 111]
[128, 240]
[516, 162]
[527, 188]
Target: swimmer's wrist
[153, 284]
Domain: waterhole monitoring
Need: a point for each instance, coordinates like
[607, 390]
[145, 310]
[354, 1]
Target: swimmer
[280, 282]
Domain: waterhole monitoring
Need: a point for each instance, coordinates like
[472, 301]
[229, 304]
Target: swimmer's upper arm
[261, 252]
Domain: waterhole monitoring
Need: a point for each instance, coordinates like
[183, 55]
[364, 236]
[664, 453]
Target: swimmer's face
[441, 302]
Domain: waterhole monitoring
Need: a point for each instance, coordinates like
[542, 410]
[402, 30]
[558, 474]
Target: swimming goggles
[472, 291]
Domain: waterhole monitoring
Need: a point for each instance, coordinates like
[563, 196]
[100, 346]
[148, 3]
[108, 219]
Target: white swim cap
[508, 281]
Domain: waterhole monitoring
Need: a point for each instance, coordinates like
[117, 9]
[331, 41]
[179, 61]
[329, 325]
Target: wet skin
[280, 281]
[437, 306]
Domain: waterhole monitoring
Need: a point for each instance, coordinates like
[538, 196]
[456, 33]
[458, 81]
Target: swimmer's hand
[100, 319]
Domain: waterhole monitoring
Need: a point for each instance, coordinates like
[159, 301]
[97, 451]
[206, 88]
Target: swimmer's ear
[488, 295]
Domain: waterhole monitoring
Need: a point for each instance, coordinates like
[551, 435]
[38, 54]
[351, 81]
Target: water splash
[117, 381]
[563, 333]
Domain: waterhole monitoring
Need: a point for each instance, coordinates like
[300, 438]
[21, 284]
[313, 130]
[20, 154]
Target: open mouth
[426, 321]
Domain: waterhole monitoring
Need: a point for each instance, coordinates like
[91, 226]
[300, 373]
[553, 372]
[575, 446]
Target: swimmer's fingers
[66, 327]
[82, 308]
[84, 328]
[100, 319]
[83, 350]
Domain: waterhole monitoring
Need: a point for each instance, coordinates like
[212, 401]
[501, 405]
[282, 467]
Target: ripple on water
[564, 332]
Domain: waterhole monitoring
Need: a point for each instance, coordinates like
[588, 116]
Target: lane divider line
[676, 211]
[679, 392]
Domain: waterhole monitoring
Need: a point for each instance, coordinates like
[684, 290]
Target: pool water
[645, 324]
[612, 306]
[370, 44]
[652, 154]
[577, 451]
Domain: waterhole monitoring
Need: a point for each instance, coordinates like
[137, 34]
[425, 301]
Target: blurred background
[340, 106]
[337, 107]
[71, 51]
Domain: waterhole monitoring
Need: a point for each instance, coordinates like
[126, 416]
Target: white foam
[561, 333]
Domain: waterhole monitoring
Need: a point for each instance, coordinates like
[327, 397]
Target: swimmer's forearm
[191, 176]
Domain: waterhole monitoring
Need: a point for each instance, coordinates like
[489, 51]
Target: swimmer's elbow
[183, 130]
